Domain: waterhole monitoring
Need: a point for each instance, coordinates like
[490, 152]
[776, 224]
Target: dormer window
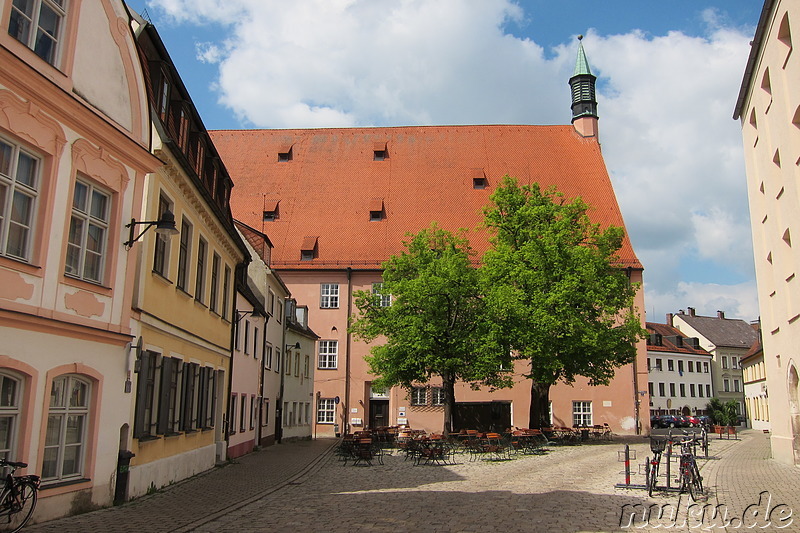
[376, 210]
[37, 24]
[308, 250]
[380, 152]
[285, 153]
[271, 210]
[479, 180]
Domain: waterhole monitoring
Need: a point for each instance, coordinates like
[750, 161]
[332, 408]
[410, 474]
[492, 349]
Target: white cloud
[665, 104]
[737, 301]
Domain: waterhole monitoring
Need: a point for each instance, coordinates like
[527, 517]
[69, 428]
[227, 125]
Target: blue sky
[668, 77]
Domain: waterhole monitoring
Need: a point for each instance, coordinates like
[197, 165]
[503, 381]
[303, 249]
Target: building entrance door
[378, 413]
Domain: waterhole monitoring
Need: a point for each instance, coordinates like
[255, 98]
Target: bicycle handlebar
[12, 464]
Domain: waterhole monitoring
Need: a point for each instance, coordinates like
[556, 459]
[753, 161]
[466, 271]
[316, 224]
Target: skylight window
[479, 180]
[285, 153]
[376, 210]
[380, 152]
[308, 250]
[270, 210]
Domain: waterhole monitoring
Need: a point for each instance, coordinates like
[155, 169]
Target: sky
[668, 77]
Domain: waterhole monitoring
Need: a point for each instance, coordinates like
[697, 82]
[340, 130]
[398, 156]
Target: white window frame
[268, 357]
[11, 393]
[161, 246]
[18, 189]
[419, 396]
[87, 241]
[386, 299]
[62, 409]
[184, 255]
[213, 298]
[328, 355]
[437, 396]
[582, 413]
[326, 411]
[32, 20]
[329, 296]
[232, 415]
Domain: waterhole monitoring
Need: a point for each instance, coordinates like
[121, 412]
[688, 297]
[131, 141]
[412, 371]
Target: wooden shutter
[188, 395]
[139, 423]
[167, 367]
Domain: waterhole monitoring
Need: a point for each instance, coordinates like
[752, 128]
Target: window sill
[183, 292]
[94, 286]
[14, 263]
[47, 485]
[162, 277]
[147, 438]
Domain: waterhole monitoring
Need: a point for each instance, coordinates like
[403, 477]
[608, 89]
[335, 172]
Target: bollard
[669, 460]
[627, 465]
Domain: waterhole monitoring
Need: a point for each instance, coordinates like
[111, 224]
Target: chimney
[691, 311]
[669, 319]
[720, 314]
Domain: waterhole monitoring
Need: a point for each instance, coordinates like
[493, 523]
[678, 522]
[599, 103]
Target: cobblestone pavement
[185, 505]
[303, 487]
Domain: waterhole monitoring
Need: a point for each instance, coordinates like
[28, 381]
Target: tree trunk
[539, 414]
[449, 386]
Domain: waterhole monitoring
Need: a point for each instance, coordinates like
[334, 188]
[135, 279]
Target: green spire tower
[582, 83]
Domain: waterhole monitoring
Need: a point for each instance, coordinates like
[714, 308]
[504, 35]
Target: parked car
[665, 421]
[694, 421]
[704, 421]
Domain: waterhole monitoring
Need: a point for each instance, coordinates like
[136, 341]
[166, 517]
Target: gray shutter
[139, 429]
[188, 394]
[167, 366]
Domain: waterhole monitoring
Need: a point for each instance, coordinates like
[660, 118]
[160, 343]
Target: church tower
[584, 102]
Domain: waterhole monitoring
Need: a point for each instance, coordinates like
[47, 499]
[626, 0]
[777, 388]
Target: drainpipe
[636, 396]
[259, 429]
[347, 352]
[284, 360]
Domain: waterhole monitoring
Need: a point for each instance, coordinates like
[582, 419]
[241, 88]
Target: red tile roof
[330, 185]
[668, 333]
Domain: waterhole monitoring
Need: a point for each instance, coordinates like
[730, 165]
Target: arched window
[67, 421]
[10, 394]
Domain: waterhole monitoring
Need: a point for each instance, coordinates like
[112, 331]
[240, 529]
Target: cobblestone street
[303, 487]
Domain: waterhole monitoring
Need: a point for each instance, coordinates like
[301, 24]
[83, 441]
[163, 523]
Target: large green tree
[436, 323]
[554, 283]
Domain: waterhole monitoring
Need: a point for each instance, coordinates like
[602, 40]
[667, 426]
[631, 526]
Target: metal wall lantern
[255, 313]
[165, 226]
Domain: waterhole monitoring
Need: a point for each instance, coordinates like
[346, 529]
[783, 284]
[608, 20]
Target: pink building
[339, 202]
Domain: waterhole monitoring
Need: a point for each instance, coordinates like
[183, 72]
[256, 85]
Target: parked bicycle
[690, 479]
[17, 498]
[651, 467]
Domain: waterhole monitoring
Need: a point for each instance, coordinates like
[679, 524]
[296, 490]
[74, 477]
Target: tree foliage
[554, 284]
[437, 323]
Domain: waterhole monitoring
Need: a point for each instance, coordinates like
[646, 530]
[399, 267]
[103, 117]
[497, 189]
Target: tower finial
[584, 102]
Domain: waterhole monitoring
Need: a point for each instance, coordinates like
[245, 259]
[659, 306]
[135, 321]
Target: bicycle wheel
[697, 482]
[17, 511]
[652, 478]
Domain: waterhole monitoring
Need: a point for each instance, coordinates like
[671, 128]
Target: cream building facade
[183, 298]
[74, 153]
[768, 108]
